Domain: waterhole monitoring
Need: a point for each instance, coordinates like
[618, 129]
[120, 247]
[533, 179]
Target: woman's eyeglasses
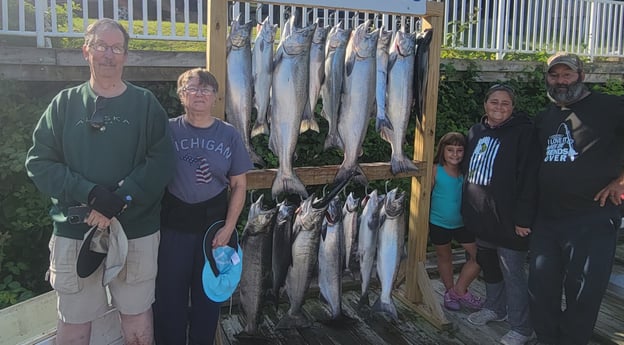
[197, 91]
[97, 118]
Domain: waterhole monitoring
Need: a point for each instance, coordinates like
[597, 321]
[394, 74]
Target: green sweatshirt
[69, 157]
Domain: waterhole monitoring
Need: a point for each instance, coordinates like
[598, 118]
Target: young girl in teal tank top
[446, 224]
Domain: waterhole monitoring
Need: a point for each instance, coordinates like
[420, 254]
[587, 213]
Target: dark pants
[574, 254]
[180, 264]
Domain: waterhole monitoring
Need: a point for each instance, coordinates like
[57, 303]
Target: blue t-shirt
[205, 159]
[446, 200]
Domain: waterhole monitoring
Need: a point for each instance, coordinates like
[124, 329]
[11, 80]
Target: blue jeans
[508, 296]
[574, 254]
[180, 264]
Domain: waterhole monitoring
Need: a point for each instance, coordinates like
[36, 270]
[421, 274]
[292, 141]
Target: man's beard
[570, 93]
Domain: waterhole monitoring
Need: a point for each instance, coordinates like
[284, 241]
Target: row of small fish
[287, 245]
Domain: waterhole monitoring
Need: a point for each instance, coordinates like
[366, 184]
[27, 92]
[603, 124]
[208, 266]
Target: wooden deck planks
[367, 328]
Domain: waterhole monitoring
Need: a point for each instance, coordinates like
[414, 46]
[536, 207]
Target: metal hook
[386, 185]
[251, 194]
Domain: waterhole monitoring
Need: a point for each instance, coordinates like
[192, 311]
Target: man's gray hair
[103, 23]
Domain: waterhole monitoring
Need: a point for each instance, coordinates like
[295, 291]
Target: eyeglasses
[196, 91]
[101, 47]
[97, 118]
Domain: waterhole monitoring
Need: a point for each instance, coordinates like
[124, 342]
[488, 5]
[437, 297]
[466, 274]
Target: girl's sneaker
[449, 302]
[468, 300]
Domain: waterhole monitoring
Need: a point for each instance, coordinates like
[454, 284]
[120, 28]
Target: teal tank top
[446, 200]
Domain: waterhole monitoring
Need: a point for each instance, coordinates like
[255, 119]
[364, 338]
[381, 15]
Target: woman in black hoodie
[497, 206]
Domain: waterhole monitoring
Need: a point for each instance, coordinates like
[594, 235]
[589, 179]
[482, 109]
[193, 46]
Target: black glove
[106, 202]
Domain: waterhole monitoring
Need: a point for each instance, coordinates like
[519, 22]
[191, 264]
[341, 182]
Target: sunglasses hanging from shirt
[97, 118]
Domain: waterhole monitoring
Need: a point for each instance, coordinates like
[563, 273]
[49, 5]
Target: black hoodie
[499, 186]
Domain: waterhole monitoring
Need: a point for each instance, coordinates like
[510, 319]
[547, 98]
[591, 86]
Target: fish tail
[364, 301]
[255, 159]
[387, 308]
[382, 122]
[332, 141]
[308, 124]
[344, 173]
[287, 184]
[401, 164]
[386, 132]
[260, 127]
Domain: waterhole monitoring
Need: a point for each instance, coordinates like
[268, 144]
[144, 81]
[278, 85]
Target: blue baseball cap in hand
[222, 266]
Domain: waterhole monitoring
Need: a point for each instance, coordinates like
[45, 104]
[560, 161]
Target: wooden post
[217, 17]
[418, 287]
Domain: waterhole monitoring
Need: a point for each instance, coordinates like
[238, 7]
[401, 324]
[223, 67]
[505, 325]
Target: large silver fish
[239, 83]
[331, 258]
[350, 225]
[288, 98]
[381, 120]
[305, 246]
[358, 97]
[281, 255]
[255, 243]
[367, 240]
[399, 101]
[335, 51]
[261, 71]
[423, 41]
[317, 74]
[389, 249]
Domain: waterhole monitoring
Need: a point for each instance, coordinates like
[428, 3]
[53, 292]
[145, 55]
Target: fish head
[240, 34]
[307, 216]
[364, 42]
[298, 42]
[267, 31]
[384, 38]
[404, 43]
[393, 205]
[285, 212]
[260, 216]
[337, 37]
[351, 204]
[320, 33]
[334, 211]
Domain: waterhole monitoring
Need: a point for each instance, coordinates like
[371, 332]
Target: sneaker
[449, 302]
[515, 338]
[468, 300]
[483, 316]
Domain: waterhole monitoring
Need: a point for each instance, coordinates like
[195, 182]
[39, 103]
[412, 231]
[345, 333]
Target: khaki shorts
[81, 300]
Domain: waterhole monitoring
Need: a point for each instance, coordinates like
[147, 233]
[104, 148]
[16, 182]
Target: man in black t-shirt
[580, 182]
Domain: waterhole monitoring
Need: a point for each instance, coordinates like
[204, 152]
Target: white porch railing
[593, 28]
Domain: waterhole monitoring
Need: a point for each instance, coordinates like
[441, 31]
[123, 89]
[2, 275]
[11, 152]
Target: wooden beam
[215, 49]
[310, 176]
[424, 141]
